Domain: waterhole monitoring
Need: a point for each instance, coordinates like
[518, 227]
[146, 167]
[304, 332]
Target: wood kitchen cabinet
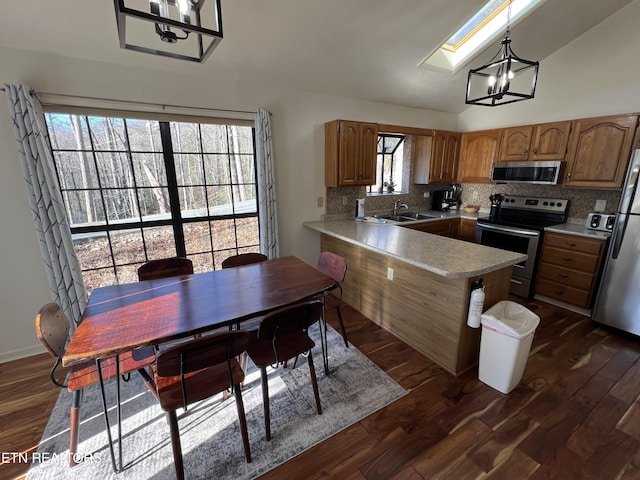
[436, 157]
[569, 268]
[546, 141]
[467, 230]
[447, 227]
[478, 152]
[599, 151]
[350, 153]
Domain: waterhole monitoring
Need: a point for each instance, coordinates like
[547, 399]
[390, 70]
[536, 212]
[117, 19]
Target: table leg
[117, 466]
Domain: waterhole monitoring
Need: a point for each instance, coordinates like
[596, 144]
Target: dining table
[124, 318]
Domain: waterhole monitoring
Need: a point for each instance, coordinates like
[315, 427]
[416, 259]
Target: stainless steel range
[518, 225]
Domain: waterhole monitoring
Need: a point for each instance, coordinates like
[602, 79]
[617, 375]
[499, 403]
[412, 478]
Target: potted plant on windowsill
[390, 185]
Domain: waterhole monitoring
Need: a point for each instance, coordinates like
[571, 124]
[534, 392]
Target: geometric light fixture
[182, 29]
[507, 78]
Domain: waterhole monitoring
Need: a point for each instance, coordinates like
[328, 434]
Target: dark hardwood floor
[575, 415]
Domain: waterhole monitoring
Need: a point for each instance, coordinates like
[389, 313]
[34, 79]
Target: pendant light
[181, 29]
[507, 78]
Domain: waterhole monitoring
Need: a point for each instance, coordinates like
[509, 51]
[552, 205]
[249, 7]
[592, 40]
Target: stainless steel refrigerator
[618, 300]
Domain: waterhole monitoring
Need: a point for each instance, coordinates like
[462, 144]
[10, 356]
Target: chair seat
[262, 354]
[199, 385]
[86, 374]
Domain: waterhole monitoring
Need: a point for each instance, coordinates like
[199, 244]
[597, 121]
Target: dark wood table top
[120, 318]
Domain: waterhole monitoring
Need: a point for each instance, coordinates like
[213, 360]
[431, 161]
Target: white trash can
[507, 333]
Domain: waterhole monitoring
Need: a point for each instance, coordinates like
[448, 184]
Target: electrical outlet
[320, 202]
[427, 194]
[474, 197]
[389, 273]
[344, 200]
[601, 205]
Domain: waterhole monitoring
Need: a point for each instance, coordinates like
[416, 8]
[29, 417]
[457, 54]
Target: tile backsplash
[341, 200]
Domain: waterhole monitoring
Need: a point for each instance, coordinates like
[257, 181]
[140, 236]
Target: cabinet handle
[562, 275]
[526, 150]
[569, 176]
[571, 244]
[568, 259]
[535, 150]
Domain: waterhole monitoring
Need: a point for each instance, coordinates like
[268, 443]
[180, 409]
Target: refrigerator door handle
[621, 228]
[628, 200]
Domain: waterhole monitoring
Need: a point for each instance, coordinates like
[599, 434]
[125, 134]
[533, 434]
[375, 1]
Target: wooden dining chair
[165, 268]
[333, 266]
[283, 335]
[52, 328]
[243, 259]
[199, 369]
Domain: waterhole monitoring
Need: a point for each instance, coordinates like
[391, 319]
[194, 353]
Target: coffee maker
[455, 196]
[440, 200]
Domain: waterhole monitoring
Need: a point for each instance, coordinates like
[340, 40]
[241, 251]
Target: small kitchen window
[390, 153]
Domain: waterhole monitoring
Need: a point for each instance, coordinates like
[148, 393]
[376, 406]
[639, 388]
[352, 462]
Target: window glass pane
[223, 234]
[189, 169]
[114, 170]
[144, 136]
[214, 138]
[107, 133]
[121, 205]
[84, 207]
[240, 139]
[242, 170]
[220, 202]
[185, 137]
[76, 169]
[149, 169]
[160, 242]
[197, 237]
[192, 201]
[244, 199]
[128, 246]
[68, 132]
[92, 250]
[217, 169]
[127, 273]
[98, 278]
[154, 203]
[248, 233]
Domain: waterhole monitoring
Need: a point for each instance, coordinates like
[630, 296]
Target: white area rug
[211, 442]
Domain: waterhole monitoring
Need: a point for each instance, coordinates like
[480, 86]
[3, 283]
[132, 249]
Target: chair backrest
[243, 259]
[165, 268]
[333, 266]
[290, 320]
[52, 328]
[204, 352]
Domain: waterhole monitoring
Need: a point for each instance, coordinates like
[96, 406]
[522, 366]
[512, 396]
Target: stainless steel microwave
[545, 173]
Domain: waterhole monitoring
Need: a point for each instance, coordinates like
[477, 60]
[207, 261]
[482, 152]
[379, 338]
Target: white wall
[298, 138]
[596, 74]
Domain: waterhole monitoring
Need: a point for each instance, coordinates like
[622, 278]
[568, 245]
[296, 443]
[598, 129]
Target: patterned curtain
[52, 227]
[266, 186]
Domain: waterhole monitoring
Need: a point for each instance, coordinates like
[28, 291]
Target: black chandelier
[182, 29]
[507, 78]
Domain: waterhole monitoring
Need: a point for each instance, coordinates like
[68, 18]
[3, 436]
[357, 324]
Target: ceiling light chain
[493, 83]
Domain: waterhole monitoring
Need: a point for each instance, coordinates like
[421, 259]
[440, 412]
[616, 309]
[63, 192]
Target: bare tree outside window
[130, 200]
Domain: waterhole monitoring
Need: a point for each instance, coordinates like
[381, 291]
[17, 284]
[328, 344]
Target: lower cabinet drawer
[575, 260]
[574, 296]
[565, 276]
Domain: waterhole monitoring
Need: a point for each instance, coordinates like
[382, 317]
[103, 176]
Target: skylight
[487, 25]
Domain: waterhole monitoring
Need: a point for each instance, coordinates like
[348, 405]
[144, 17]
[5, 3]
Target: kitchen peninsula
[417, 285]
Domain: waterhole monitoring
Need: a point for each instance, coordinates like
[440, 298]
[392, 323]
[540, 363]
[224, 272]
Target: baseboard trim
[21, 353]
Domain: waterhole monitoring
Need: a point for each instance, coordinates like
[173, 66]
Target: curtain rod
[147, 104]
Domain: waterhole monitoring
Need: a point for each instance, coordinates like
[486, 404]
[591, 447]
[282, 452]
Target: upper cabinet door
[516, 142]
[350, 153]
[550, 141]
[422, 158]
[449, 145]
[599, 151]
[478, 152]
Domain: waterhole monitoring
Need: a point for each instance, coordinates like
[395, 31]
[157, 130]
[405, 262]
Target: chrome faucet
[397, 206]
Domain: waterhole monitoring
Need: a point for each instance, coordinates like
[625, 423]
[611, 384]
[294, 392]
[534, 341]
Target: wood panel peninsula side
[417, 285]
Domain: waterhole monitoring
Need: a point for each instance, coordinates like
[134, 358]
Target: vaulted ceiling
[367, 49]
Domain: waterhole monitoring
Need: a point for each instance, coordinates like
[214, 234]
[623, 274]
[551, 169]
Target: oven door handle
[515, 231]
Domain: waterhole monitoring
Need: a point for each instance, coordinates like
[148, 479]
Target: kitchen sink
[396, 218]
[420, 215]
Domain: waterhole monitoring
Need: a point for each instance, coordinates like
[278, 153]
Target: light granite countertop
[579, 230]
[441, 255]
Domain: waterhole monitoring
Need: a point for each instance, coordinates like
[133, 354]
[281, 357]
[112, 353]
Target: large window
[137, 190]
[389, 164]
